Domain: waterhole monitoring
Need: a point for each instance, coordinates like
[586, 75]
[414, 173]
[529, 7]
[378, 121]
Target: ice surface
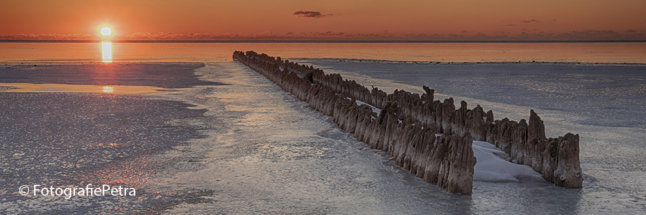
[264, 151]
[270, 152]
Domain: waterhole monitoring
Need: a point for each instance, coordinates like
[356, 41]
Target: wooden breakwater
[405, 125]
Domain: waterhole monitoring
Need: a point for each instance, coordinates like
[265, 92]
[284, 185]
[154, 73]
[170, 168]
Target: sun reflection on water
[106, 50]
[108, 89]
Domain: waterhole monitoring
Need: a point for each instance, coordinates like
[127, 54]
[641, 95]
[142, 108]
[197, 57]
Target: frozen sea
[305, 159]
[254, 149]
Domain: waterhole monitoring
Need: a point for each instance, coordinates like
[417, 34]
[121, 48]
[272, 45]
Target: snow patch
[374, 109]
[490, 167]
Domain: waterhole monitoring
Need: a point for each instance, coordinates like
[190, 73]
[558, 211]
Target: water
[265, 151]
[435, 52]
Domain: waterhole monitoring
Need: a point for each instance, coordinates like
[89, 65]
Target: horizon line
[324, 41]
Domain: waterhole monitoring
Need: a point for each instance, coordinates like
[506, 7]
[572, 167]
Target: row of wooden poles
[431, 138]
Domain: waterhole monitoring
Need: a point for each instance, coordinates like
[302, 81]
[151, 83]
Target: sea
[254, 149]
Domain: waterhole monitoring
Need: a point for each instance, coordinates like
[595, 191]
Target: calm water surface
[443, 52]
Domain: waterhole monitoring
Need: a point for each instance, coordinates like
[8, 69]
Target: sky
[424, 20]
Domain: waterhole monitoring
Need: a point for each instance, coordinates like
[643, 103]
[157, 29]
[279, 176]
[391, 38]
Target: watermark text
[69, 192]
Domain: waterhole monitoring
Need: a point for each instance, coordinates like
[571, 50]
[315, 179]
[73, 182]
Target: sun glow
[105, 31]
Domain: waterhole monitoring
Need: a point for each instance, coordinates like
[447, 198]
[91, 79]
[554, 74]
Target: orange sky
[335, 20]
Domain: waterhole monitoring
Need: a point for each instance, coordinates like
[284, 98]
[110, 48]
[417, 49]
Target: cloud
[329, 33]
[310, 14]
[592, 35]
[529, 21]
[511, 25]
[45, 37]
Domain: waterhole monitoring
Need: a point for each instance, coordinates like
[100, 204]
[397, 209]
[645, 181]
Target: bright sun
[105, 31]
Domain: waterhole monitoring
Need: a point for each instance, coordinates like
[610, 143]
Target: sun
[105, 31]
